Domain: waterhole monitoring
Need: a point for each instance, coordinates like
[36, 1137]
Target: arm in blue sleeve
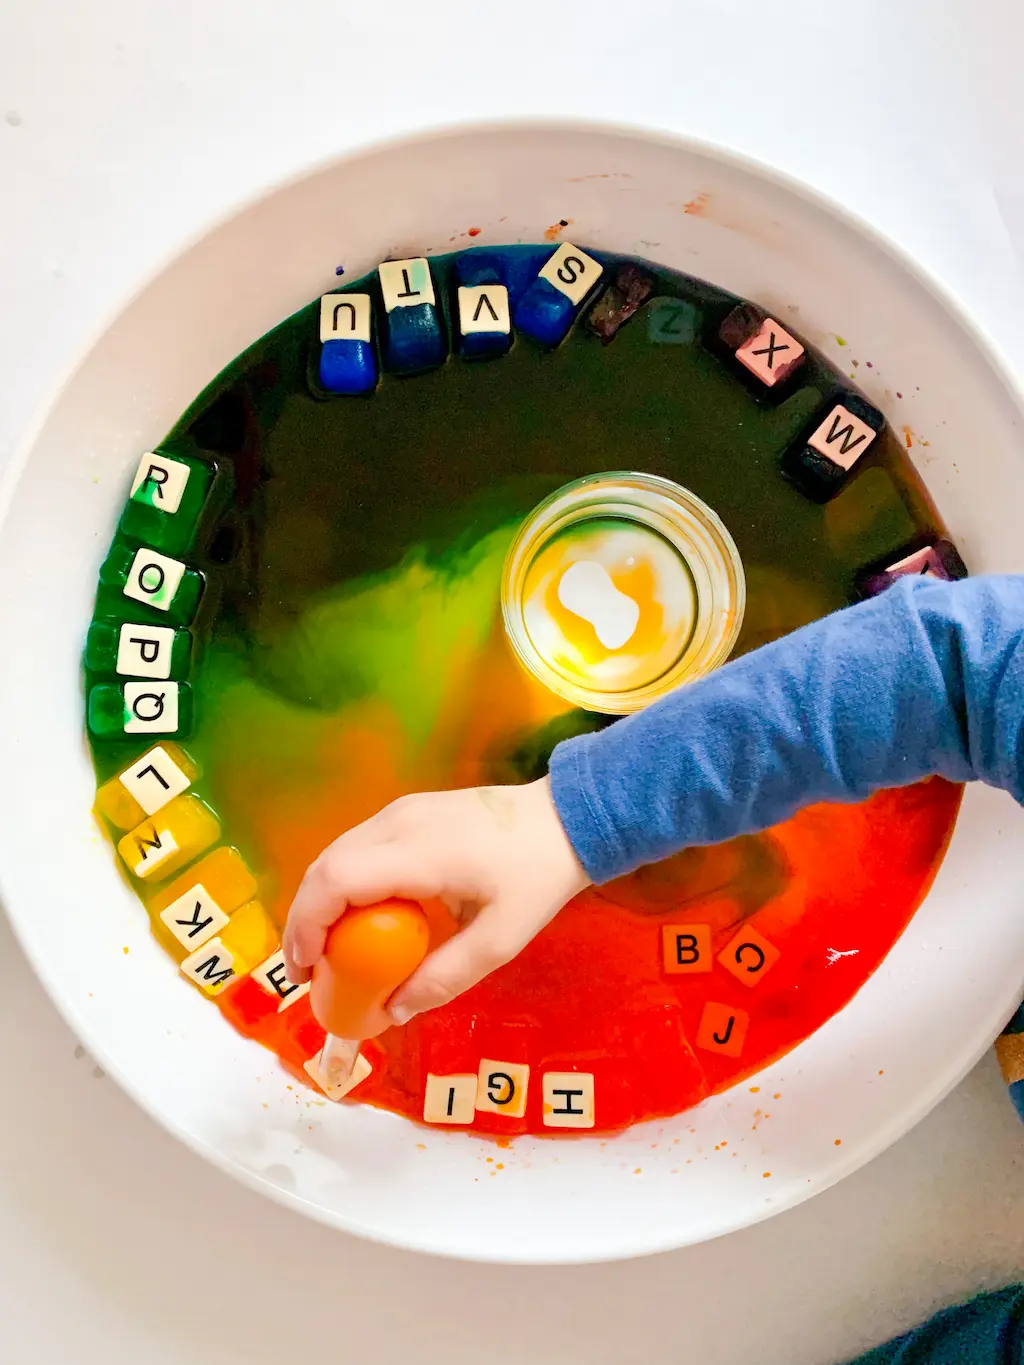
[927, 678]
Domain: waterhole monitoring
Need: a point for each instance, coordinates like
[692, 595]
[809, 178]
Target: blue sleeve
[927, 678]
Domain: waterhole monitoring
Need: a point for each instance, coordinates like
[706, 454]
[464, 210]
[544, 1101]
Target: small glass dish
[619, 587]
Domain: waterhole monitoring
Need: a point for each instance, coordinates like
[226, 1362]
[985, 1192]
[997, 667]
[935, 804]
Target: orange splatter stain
[777, 1095]
[125, 950]
[421, 1146]
[637, 1171]
[473, 232]
[908, 436]
[552, 233]
[500, 1166]
[766, 1175]
[503, 1142]
[698, 205]
[881, 1073]
[839, 1142]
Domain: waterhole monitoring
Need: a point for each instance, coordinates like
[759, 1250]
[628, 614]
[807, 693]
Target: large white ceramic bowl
[866, 1077]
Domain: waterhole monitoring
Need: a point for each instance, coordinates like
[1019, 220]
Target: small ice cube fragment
[587, 590]
[630, 288]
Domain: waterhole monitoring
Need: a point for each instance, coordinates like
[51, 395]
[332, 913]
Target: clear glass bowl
[619, 587]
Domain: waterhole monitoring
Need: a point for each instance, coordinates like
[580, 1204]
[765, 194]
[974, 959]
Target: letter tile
[723, 1029]
[547, 309]
[841, 433]
[336, 1091]
[135, 650]
[449, 1099]
[414, 335]
[568, 1099]
[485, 326]
[348, 363]
[686, 948]
[270, 975]
[194, 917]
[167, 500]
[211, 967]
[161, 774]
[164, 591]
[139, 708]
[749, 956]
[764, 348]
[502, 1087]
[406, 284]
[165, 842]
[672, 322]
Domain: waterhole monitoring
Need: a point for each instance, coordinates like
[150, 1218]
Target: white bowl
[864, 1078]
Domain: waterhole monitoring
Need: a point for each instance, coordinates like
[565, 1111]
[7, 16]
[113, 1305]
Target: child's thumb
[469, 956]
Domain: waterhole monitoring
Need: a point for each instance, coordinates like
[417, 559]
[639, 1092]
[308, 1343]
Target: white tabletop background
[126, 126]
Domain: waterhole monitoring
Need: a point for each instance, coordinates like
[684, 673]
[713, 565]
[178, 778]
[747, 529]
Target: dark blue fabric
[986, 1331]
[927, 678]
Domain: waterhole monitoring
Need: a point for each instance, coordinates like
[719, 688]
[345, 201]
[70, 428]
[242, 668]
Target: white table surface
[125, 127]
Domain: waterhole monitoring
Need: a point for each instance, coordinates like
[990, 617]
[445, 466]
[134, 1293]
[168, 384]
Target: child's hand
[497, 856]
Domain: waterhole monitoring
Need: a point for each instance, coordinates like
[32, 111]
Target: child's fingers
[477, 950]
[349, 874]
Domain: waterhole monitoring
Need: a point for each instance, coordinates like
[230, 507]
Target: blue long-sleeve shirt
[927, 678]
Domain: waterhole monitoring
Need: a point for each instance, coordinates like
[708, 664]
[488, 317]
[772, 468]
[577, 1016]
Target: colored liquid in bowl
[353, 650]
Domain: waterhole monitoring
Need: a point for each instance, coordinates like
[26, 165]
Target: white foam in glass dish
[922, 1020]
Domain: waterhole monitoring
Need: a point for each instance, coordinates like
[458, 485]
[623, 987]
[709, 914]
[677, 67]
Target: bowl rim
[919, 1104]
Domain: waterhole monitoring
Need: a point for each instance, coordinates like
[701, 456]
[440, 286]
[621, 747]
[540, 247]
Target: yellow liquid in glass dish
[618, 588]
[609, 604]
